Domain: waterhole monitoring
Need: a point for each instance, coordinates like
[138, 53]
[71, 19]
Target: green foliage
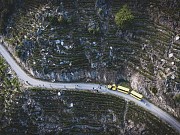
[177, 98]
[70, 20]
[125, 84]
[54, 20]
[123, 17]
[9, 86]
[60, 19]
[7, 83]
[154, 90]
[100, 11]
[95, 30]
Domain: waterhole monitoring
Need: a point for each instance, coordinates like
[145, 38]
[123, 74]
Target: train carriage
[123, 89]
[136, 95]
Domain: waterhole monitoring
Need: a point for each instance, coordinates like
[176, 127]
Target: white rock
[42, 50]
[62, 42]
[57, 41]
[71, 105]
[162, 60]
[160, 98]
[67, 47]
[72, 73]
[177, 38]
[47, 7]
[170, 55]
[59, 93]
[173, 77]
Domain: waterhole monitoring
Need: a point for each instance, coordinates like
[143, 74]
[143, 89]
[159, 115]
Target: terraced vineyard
[66, 48]
[9, 88]
[73, 112]
[69, 40]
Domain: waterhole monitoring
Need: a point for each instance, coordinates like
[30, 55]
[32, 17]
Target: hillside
[74, 112]
[9, 88]
[73, 40]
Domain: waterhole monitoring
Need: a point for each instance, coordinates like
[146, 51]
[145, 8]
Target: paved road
[86, 86]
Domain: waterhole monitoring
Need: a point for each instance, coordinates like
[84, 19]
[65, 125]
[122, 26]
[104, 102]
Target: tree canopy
[123, 16]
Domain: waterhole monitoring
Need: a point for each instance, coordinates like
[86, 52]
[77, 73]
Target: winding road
[86, 86]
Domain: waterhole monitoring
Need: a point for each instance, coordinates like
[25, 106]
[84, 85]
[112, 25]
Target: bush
[93, 27]
[177, 98]
[61, 19]
[123, 17]
[53, 20]
[154, 90]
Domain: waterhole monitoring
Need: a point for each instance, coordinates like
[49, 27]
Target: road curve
[86, 86]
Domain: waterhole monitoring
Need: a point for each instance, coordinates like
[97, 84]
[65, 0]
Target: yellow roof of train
[137, 94]
[123, 88]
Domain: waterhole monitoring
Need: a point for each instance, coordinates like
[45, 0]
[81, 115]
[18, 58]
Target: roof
[123, 88]
[136, 94]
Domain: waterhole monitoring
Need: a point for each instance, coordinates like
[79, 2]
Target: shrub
[154, 90]
[123, 16]
[61, 19]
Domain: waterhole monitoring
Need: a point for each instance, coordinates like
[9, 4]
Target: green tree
[154, 90]
[123, 17]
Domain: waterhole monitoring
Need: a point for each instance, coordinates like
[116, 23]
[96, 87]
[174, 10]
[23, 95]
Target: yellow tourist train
[125, 90]
[136, 95]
